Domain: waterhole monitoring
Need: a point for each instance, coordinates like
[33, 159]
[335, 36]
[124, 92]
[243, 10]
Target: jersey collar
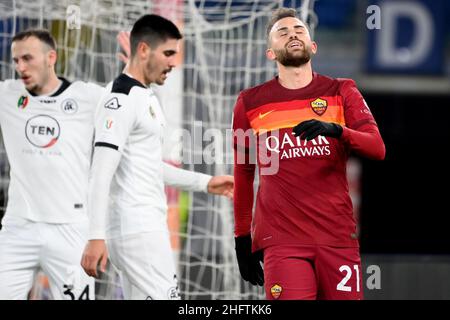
[64, 85]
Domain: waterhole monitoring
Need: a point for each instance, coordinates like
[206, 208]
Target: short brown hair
[279, 14]
[41, 34]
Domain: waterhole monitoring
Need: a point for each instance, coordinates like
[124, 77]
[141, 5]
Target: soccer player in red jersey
[303, 126]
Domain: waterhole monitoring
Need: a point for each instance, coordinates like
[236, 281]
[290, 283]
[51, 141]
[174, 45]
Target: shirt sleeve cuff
[96, 235]
[203, 181]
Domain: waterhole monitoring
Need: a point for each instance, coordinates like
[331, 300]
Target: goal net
[223, 53]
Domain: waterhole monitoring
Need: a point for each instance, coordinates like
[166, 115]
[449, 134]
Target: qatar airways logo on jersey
[42, 131]
[289, 146]
[275, 146]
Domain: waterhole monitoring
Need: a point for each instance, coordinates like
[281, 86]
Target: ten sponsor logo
[42, 131]
[22, 102]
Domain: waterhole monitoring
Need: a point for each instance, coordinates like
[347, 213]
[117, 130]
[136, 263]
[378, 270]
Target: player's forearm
[184, 179]
[104, 165]
[365, 141]
[244, 175]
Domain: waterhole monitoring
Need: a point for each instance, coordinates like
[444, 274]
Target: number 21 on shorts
[345, 269]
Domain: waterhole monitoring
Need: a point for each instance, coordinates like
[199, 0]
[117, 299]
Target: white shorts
[26, 246]
[146, 264]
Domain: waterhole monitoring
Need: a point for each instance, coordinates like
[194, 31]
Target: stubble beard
[293, 59]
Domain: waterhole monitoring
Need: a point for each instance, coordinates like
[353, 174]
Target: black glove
[249, 262]
[312, 128]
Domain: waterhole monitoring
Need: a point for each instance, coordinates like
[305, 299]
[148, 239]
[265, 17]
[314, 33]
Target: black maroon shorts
[312, 272]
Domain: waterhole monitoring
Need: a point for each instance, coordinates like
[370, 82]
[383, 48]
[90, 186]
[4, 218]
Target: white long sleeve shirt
[48, 141]
[130, 122]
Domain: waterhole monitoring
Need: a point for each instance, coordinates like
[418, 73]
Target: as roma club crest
[276, 291]
[319, 106]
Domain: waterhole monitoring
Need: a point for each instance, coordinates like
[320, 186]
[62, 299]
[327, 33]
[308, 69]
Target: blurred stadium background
[402, 69]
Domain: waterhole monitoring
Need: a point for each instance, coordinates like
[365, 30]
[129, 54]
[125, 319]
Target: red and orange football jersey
[303, 193]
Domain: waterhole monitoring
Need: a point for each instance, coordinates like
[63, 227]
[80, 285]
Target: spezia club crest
[152, 112]
[69, 106]
[22, 102]
[319, 106]
[173, 294]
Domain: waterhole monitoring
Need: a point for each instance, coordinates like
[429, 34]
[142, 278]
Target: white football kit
[130, 120]
[48, 141]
